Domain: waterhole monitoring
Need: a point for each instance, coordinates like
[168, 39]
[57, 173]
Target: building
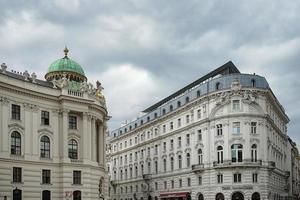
[52, 139]
[224, 136]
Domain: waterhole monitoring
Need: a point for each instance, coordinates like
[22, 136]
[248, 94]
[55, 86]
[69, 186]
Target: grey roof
[227, 68]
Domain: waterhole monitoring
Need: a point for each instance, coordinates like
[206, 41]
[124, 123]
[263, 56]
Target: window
[254, 177]
[76, 177]
[178, 104]
[73, 149]
[171, 108]
[236, 127]
[148, 119]
[199, 135]
[236, 105]
[163, 111]
[165, 146]
[253, 127]
[72, 122]
[15, 146]
[254, 153]
[237, 178]
[179, 142]
[198, 93]
[189, 182]
[135, 156]
[200, 156]
[253, 83]
[236, 153]
[155, 115]
[141, 122]
[171, 144]
[149, 151]
[45, 117]
[187, 117]
[187, 99]
[219, 129]
[156, 149]
[165, 165]
[164, 128]
[218, 86]
[171, 126]
[199, 180]
[179, 123]
[156, 186]
[46, 195]
[149, 167]
[220, 178]
[179, 161]
[156, 166]
[45, 147]
[180, 183]
[46, 176]
[172, 183]
[172, 163]
[220, 154]
[17, 174]
[136, 171]
[187, 139]
[125, 145]
[199, 114]
[15, 112]
[188, 160]
[165, 185]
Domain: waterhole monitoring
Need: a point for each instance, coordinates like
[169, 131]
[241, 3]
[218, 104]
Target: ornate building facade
[224, 136]
[52, 139]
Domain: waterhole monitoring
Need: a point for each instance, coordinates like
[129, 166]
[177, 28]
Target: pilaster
[64, 134]
[4, 124]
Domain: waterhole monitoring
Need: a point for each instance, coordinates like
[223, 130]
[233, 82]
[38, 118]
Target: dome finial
[66, 50]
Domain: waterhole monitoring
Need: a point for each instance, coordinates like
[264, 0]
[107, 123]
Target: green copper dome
[65, 67]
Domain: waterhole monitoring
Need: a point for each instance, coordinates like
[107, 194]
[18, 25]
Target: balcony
[198, 168]
[244, 163]
[147, 177]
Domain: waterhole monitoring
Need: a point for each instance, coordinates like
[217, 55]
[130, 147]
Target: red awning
[173, 194]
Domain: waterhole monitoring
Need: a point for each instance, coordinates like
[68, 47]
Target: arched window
[45, 147]
[179, 161]
[188, 160]
[142, 122]
[254, 153]
[130, 127]
[163, 111]
[178, 104]
[171, 107]
[77, 195]
[220, 196]
[200, 157]
[172, 163]
[198, 93]
[155, 115]
[255, 196]
[73, 149]
[15, 146]
[218, 86]
[46, 195]
[220, 154]
[236, 153]
[17, 194]
[200, 197]
[237, 196]
[187, 99]
[148, 119]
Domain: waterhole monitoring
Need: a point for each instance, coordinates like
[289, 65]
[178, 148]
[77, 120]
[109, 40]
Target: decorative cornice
[15, 126]
[43, 130]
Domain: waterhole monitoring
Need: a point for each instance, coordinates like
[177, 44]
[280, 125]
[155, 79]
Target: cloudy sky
[143, 51]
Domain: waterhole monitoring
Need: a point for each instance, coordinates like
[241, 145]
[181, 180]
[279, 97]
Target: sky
[142, 51]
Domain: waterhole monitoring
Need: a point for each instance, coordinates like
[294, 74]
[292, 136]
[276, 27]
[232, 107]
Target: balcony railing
[244, 163]
[198, 168]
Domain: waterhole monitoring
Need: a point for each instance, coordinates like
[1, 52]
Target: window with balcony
[236, 127]
[200, 157]
[236, 153]
[220, 154]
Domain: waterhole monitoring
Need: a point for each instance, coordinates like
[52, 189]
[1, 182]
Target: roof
[227, 68]
[65, 64]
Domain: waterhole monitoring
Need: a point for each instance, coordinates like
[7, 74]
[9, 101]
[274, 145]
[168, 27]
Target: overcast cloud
[143, 51]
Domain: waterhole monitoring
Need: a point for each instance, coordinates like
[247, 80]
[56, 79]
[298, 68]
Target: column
[4, 125]
[100, 144]
[34, 129]
[64, 134]
[28, 140]
[104, 143]
[94, 140]
[54, 121]
[84, 136]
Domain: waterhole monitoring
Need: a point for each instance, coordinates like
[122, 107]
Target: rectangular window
[172, 183]
[45, 117]
[72, 122]
[171, 144]
[165, 185]
[164, 128]
[180, 183]
[171, 126]
[135, 140]
[220, 178]
[199, 114]
[17, 174]
[253, 127]
[135, 156]
[219, 129]
[156, 186]
[189, 182]
[149, 151]
[237, 178]
[236, 127]
[200, 180]
[165, 146]
[254, 177]
[199, 135]
[179, 122]
[179, 142]
[187, 139]
[236, 105]
[15, 112]
[188, 119]
[76, 177]
[156, 149]
[46, 176]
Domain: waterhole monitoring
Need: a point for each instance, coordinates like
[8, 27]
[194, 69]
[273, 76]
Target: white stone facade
[35, 157]
[222, 136]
